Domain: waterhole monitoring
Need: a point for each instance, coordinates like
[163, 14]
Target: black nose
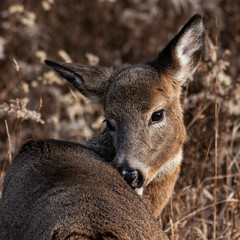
[133, 178]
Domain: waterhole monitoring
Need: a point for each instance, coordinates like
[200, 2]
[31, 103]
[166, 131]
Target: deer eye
[158, 116]
[109, 126]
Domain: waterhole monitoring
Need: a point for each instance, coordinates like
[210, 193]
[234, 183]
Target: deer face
[144, 118]
[142, 104]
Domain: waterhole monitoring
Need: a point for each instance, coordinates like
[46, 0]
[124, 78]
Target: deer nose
[133, 178]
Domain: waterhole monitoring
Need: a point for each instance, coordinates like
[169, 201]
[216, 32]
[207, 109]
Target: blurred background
[35, 103]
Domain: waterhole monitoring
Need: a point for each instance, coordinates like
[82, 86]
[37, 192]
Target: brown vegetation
[205, 204]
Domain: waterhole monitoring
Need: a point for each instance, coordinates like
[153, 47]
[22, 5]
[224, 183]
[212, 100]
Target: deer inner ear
[91, 81]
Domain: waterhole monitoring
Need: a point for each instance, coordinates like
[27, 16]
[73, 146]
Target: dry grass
[36, 103]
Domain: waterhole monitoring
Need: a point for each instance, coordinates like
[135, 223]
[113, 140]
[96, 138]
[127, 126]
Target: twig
[198, 115]
[81, 112]
[16, 65]
[208, 150]
[199, 210]
[172, 229]
[215, 143]
[9, 151]
[215, 167]
[12, 84]
[218, 177]
[9, 143]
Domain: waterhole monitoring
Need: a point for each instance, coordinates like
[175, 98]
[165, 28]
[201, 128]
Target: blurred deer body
[143, 140]
[61, 190]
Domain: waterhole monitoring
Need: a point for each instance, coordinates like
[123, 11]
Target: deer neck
[101, 145]
[168, 167]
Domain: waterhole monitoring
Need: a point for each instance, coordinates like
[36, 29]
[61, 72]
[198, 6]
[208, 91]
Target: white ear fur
[186, 48]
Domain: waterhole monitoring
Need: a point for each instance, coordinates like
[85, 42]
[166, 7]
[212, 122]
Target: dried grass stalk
[18, 108]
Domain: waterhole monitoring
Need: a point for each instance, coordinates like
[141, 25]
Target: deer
[145, 132]
[123, 177]
[60, 190]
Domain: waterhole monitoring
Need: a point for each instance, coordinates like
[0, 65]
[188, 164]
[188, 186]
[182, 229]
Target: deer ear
[91, 81]
[181, 56]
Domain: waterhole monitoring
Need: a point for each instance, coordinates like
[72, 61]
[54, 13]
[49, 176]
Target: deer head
[142, 104]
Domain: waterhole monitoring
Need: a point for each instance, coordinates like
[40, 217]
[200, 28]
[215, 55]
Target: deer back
[61, 190]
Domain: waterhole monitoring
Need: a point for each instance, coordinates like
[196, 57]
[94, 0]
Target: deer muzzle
[133, 178]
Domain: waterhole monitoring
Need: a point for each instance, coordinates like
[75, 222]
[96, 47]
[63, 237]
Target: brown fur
[164, 188]
[131, 142]
[130, 96]
[61, 190]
